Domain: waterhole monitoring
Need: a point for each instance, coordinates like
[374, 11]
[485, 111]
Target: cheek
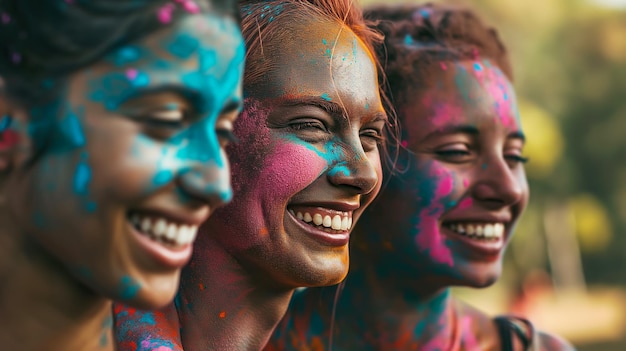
[290, 168]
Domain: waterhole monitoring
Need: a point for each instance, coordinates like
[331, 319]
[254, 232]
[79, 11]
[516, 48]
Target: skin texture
[307, 138]
[464, 164]
[141, 131]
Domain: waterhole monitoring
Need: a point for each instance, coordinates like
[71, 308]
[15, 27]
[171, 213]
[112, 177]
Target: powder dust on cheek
[428, 236]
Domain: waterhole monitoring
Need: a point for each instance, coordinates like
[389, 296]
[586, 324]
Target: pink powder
[465, 203]
[443, 66]
[131, 73]
[465, 183]
[468, 337]
[189, 6]
[164, 14]
[5, 18]
[404, 143]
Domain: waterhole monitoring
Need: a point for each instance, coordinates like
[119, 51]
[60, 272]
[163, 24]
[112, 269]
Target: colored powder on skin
[465, 183]
[107, 325]
[484, 166]
[183, 46]
[125, 56]
[428, 236]
[469, 339]
[443, 66]
[129, 288]
[82, 176]
[72, 132]
[465, 203]
[408, 39]
[5, 123]
[326, 97]
[339, 168]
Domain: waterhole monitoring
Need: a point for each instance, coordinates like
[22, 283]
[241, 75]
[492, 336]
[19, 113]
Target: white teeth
[489, 231]
[317, 219]
[162, 230]
[327, 222]
[336, 224]
[172, 231]
[486, 231]
[159, 227]
[307, 217]
[498, 230]
[339, 222]
[145, 225]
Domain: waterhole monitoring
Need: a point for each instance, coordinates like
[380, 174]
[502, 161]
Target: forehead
[473, 92]
[323, 58]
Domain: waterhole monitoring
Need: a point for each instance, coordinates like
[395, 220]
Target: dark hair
[42, 42]
[418, 35]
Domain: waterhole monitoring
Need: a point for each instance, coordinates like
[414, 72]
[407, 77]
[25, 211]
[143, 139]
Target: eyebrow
[517, 135]
[454, 129]
[193, 96]
[330, 107]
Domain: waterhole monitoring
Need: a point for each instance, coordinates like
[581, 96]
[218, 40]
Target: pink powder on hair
[443, 66]
[404, 143]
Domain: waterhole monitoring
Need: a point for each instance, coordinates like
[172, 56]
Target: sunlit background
[565, 267]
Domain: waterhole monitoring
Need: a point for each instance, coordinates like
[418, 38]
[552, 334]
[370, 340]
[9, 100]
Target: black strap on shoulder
[509, 328]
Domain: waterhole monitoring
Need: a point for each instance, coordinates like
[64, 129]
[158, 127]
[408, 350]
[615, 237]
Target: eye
[224, 131]
[514, 159]
[309, 129]
[454, 153]
[371, 138]
[308, 124]
[166, 118]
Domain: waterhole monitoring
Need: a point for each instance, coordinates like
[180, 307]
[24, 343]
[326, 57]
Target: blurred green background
[565, 266]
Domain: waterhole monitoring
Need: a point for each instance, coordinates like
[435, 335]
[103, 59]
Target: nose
[207, 182]
[498, 185]
[359, 172]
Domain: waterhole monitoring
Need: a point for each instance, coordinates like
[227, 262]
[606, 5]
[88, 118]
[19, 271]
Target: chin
[154, 293]
[481, 277]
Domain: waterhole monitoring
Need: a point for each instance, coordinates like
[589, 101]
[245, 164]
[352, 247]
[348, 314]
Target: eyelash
[518, 159]
[307, 124]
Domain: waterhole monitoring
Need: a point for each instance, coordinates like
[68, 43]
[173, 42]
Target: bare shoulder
[549, 342]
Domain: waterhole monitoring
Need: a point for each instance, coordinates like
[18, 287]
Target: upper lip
[333, 205]
[191, 218]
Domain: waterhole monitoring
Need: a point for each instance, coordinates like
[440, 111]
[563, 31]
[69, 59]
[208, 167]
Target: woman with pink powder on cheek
[306, 166]
[448, 211]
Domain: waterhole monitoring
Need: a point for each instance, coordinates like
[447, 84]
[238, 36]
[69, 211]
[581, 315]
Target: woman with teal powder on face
[306, 166]
[448, 212]
[114, 116]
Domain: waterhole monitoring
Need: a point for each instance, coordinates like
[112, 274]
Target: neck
[43, 307]
[399, 312]
[223, 306]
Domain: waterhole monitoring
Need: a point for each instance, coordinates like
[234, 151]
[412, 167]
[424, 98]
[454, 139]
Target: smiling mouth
[328, 220]
[163, 231]
[478, 231]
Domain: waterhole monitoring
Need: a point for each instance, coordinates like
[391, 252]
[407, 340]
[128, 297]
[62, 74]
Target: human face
[453, 212]
[116, 187]
[307, 156]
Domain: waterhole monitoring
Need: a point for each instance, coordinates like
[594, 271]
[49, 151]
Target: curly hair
[43, 42]
[418, 35]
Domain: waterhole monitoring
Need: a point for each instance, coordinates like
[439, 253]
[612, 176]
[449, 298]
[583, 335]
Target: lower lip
[174, 258]
[340, 239]
[484, 248]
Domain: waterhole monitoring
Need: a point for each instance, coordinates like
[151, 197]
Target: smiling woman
[306, 167]
[114, 121]
[446, 218]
